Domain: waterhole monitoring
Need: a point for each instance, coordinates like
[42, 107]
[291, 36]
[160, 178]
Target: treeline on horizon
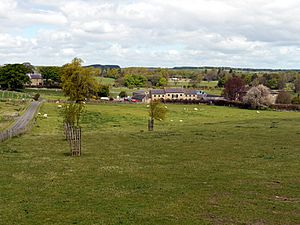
[133, 77]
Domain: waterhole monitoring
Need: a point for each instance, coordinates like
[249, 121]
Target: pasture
[218, 166]
[9, 111]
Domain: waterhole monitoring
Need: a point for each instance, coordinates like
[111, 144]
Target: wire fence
[24, 124]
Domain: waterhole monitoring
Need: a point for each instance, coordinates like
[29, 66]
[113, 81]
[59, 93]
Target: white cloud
[256, 33]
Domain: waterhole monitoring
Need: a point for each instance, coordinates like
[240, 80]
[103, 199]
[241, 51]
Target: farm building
[168, 94]
[36, 79]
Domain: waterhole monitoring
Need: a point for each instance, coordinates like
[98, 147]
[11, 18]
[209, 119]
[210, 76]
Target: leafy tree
[72, 113]
[162, 82]
[13, 76]
[135, 81]
[234, 88]
[283, 98]
[113, 73]
[156, 112]
[103, 91]
[77, 82]
[296, 100]
[297, 85]
[123, 94]
[51, 74]
[258, 96]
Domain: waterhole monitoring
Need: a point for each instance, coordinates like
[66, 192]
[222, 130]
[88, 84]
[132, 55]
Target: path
[22, 123]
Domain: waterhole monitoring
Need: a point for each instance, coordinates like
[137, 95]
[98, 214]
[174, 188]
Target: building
[141, 96]
[36, 79]
[168, 94]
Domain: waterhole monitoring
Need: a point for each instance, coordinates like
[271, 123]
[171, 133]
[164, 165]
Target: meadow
[218, 166]
[9, 111]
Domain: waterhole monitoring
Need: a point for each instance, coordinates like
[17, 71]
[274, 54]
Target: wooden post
[150, 124]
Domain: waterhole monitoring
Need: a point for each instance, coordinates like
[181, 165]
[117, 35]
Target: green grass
[51, 94]
[13, 95]
[106, 81]
[9, 110]
[218, 166]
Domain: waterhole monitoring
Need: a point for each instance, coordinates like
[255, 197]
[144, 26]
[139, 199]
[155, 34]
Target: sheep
[59, 106]
[45, 115]
[196, 109]
[180, 121]
[258, 112]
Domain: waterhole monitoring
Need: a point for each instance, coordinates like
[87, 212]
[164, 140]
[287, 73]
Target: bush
[103, 91]
[283, 98]
[123, 94]
[36, 97]
[296, 100]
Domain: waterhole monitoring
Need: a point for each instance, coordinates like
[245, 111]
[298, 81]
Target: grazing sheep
[196, 109]
[258, 112]
[172, 120]
[57, 102]
[166, 107]
[59, 106]
[180, 121]
[45, 115]
[39, 113]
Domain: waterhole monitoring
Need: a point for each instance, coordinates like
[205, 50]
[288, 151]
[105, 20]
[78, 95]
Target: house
[141, 96]
[176, 94]
[36, 79]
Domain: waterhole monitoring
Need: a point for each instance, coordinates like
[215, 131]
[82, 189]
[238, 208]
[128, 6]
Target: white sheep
[45, 115]
[180, 121]
[258, 112]
[57, 102]
[59, 106]
[196, 109]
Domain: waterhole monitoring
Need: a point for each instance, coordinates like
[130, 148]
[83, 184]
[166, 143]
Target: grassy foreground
[217, 166]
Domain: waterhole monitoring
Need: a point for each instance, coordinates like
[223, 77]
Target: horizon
[138, 33]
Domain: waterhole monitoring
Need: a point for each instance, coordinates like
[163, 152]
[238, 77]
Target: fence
[14, 132]
[73, 136]
[24, 124]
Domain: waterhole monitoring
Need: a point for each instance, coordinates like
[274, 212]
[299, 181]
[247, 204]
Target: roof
[175, 90]
[157, 92]
[139, 92]
[191, 92]
[139, 96]
[35, 76]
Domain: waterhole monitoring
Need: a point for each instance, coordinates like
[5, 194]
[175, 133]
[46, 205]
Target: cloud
[253, 33]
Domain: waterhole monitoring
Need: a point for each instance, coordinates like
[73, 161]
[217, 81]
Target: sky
[154, 33]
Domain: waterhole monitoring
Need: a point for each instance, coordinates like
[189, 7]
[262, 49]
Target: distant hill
[235, 69]
[103, 67]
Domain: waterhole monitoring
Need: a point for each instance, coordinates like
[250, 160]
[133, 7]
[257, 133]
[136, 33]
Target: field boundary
[24, 124]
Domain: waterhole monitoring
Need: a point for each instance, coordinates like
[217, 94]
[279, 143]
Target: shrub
[123, 94]
[296, 100]
[283, 98]
[36, 97]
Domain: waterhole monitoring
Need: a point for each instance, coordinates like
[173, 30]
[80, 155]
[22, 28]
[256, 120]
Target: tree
[162, 82]
[13, 76]
[123, 94]
[283, 98]
[297, 85]
[156, 112]
[234, 88]
[51, 74]
[135, 81]
[114, 73]
[296, 100]
[258, 97]
[103, 91]
[77, 82]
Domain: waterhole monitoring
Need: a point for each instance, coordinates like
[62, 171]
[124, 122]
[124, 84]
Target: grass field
[9, 111]
[217, 166]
